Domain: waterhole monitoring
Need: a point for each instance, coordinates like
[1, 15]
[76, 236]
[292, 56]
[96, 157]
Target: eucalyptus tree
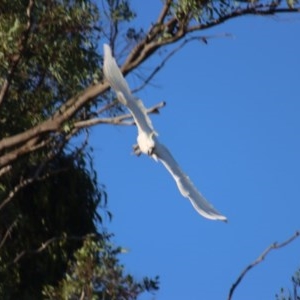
[51, 92]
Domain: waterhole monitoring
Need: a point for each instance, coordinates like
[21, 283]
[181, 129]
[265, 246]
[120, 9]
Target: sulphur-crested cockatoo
[147, 138]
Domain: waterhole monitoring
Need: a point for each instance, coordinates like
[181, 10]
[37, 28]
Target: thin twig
[173, 52]
[160, 66]
[106, 107]
[8, 232]
[274, 246]
[45, 244]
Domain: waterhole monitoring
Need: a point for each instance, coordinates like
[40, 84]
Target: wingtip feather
[112, 72]
[205, 209]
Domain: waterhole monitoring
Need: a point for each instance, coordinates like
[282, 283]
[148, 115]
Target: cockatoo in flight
[147, 138]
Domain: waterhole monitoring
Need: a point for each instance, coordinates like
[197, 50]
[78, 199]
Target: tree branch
[154, 40]
[5, 170]
[119, 120]
[274, 246]
[25, 182]
[165, 10]
[8, 232]
[169, 55]
[258, 10]
[45, 244]
[36, 177]
[29, 146]
[161, 65]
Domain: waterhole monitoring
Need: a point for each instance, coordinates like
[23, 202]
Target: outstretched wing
[118, 83]
[185, 186]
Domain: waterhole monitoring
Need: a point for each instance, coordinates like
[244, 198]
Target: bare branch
[169, 55]
[82, 296]
[274, 246]
[161, 65]
[106, 107]
[112, 121]
[119, 120]
[164, 11]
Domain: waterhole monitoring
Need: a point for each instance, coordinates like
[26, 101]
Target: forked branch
[274, 246]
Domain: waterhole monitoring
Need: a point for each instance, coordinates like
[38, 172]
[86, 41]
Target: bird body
[147, 138]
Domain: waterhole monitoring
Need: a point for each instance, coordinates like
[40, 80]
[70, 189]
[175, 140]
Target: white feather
[118, 83]
[148, 142]
[185, 186]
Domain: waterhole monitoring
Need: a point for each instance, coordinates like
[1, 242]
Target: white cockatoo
[147, 138]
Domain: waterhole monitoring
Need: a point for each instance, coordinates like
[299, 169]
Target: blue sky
[232, 123]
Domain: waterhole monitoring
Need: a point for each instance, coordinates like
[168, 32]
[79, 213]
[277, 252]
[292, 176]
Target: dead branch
[274, 246]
